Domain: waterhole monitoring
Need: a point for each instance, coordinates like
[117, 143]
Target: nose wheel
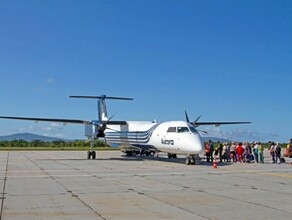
[190, 160]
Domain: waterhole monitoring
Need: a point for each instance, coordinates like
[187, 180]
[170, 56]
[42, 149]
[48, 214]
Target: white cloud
[56, 125]
[52, 130]
[50, 80]
[240, 135]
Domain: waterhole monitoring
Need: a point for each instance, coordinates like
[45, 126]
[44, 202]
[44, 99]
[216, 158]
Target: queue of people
[288, 152]
[245, 152]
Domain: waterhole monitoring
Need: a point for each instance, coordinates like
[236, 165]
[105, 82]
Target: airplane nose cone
[199, 146]
[192, 144]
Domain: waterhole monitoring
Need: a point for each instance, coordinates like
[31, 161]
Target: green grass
[56, 149]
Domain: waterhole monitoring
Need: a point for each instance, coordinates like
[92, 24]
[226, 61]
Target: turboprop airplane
[172, 137]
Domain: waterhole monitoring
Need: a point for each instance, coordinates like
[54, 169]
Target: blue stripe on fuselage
[133, 137]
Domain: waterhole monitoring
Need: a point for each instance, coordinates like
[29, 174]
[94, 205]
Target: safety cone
[214, 163]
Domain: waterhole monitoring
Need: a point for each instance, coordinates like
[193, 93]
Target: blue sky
[228, 60]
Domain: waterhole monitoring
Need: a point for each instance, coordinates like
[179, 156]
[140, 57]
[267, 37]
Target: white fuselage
[176, 137]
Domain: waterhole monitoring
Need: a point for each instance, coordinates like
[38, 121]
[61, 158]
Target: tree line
[51, 144]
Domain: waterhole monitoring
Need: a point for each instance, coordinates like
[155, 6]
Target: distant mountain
[215, 139]
[31, 137]
[28, 137]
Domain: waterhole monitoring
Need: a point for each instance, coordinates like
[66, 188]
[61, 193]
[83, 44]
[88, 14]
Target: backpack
[278, 150]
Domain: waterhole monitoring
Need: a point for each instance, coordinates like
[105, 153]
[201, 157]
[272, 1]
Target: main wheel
[188, 161]
[88, 154]
[193, 161]
[93, 154]
[169, 155]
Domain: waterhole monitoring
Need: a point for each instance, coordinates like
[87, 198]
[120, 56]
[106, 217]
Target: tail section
[102, 112]
[101, 104]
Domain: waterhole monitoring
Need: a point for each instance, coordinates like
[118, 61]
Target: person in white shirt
[272, 151]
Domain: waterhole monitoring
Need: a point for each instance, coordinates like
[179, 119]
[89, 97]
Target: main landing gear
[91, 153]
[190, 160]
[169, 155]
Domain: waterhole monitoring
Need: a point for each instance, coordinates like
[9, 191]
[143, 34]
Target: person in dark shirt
[220, 149]
[278, 153]
[290, 150]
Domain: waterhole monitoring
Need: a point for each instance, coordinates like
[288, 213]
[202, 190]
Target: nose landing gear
[190, 160]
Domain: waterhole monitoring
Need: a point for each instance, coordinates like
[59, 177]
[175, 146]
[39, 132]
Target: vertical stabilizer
[101, 109]
[101, 104]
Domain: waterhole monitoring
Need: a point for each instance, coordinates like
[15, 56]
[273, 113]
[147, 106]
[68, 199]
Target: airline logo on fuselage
[167, 142]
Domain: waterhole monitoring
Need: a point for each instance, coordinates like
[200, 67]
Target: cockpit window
[182, 129]
[171, 129]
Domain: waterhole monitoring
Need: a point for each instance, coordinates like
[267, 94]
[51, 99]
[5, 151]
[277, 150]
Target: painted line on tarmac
[272, 173]
[275, 174]
[4, 187]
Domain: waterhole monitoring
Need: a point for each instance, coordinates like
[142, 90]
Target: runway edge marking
[4, 186]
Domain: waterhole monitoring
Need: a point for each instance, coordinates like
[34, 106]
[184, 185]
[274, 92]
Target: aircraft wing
[74, 121]
[196, 124]
[64, 121]
[116, 122]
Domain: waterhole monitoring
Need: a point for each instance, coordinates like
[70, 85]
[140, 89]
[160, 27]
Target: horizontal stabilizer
[100, 97]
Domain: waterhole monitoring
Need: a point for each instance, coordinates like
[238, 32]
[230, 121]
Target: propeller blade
[187, 117]
[205, 132]
[111, 117]
[112, 129]
[197, 119]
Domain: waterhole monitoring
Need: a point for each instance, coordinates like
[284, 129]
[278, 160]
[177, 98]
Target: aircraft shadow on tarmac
[145, 158]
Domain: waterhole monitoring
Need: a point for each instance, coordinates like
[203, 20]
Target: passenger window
[182, 129]
[171, 129]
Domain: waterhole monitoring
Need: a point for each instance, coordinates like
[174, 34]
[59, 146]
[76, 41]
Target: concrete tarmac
[65, 185]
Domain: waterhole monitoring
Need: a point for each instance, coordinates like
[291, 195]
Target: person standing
[220, 150]
[207, 150]
[256, 152]
[272, 151]
[228, 152]
[233, 152]
[211, 146]
[247, 152]
[244, 152]
[260, 153]
[240, 151]
[277, 153]
[290, 151]
[224, 152]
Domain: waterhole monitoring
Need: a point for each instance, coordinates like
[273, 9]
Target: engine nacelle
[95, 130]
[91, 131]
